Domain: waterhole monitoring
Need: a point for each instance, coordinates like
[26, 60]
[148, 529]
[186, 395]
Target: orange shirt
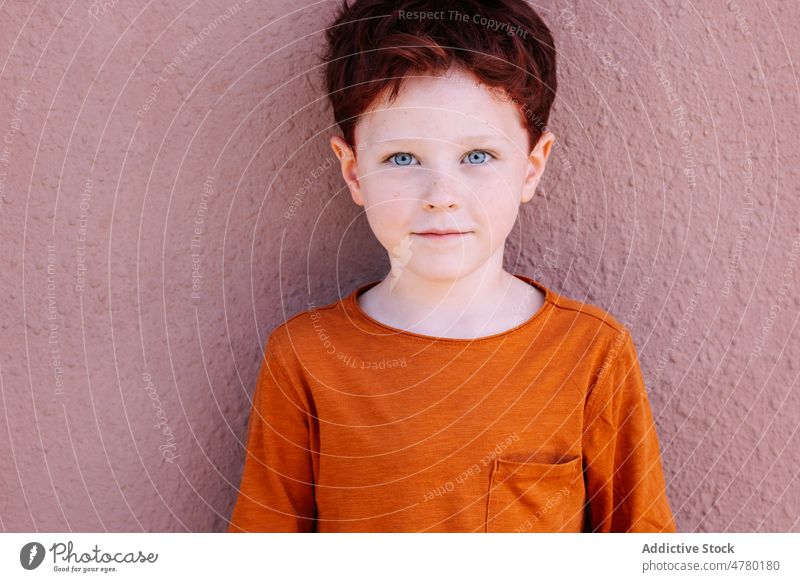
[360, 427]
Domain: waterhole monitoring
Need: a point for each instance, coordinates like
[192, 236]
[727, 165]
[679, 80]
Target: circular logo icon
[31, 555]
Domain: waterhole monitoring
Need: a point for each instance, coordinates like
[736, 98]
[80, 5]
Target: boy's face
[447, 154]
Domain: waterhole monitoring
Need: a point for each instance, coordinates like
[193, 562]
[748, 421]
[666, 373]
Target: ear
[536, 164]
[349, 167]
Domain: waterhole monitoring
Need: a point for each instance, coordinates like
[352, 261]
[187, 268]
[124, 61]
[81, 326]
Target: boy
[451, 396]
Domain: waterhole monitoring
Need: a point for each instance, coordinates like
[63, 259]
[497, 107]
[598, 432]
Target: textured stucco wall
[670, 201]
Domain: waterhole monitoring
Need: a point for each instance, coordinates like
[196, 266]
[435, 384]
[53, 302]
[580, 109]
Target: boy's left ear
[536, 164]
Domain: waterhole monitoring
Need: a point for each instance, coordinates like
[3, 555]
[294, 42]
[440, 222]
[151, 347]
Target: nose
[441, 193]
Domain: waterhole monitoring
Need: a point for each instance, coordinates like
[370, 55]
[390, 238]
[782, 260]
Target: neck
[447, 296]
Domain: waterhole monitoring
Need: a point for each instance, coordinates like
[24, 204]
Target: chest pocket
[532, 497]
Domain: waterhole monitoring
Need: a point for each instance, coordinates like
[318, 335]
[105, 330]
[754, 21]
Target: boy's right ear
[349, 167]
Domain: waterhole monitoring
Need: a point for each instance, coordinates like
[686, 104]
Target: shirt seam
[551, 299]
[617, 328]
[272, 343]
[552, 302]
[599, 388]
[523, 327]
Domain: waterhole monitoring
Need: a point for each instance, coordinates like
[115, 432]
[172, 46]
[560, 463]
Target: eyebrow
[465, 139]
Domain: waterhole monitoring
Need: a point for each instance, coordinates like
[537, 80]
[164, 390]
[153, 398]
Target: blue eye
[475, 157]
[405, 159]
[481, 156]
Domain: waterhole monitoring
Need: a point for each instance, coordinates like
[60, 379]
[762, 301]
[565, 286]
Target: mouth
[441, 234]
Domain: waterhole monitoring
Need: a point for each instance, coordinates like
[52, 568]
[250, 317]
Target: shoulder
[309, 329]
[584, 317]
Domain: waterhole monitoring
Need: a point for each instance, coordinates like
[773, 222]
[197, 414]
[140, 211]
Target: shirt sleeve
[625, 487]
[277, 486]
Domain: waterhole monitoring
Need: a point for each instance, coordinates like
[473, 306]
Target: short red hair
[374, 44]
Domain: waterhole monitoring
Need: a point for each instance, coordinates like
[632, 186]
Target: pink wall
[670, 200]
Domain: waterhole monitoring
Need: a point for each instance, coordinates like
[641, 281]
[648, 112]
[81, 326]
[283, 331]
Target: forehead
[442, 107]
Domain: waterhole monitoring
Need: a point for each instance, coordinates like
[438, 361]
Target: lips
[442, 232]
[441, 235]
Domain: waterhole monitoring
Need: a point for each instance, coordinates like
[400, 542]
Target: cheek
[381, 216]
[498, 226]
[390, 215]
[498, 211]
[390, 208]
[495, 217]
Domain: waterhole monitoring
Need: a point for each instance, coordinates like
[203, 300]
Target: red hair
[374, 44]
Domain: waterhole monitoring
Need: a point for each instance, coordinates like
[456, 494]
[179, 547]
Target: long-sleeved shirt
[357, 426]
